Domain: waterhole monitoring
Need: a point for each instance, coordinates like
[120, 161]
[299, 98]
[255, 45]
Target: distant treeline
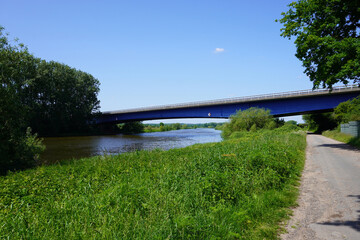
[139, 127]
[161, 127]
[49, 97]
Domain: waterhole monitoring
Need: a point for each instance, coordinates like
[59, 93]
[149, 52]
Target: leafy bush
[288, 127]
[251, 119]
[18, 150]
[292, 122]
[131, 127]
[348, 111]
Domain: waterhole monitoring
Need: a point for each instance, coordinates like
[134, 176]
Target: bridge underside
[278, 107]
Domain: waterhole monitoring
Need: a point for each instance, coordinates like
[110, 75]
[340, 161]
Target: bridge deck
[282, 95]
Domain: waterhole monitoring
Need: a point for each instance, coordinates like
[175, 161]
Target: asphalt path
[329, 201]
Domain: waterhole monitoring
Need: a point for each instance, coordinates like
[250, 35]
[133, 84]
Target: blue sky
[148, 53]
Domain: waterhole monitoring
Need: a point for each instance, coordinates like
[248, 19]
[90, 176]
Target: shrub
[252, 119]
[288, 128]
[132, 127]
[348, 111]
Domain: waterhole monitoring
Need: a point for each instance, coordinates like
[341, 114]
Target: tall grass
[235, 189]
[342, 137]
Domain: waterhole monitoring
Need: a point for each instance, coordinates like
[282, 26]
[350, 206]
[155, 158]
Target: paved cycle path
[329, 201]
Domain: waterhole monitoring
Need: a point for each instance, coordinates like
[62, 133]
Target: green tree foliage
[348, 111]
[279, 122]
[320, 122]
[62, 99]
[251, 119]
[162, 127]
[176, 126]
[56, 98]
[49, 97]
[132, 127]
[18, 147]
[291, 122]
[327, 39]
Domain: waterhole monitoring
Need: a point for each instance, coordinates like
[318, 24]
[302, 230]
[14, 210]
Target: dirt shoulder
[329, 201]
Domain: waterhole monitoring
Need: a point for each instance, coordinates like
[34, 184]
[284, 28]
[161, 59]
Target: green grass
[235, 189]
[342, 137]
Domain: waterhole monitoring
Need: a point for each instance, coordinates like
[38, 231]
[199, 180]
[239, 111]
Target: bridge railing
[240, 99]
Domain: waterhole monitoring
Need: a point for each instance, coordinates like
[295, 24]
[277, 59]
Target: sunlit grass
[342, 137]
[235, 189]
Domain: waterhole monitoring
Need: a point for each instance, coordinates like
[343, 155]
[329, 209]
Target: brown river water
[65, 148]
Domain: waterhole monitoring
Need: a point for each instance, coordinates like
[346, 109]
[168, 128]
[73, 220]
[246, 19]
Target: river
[64, 148]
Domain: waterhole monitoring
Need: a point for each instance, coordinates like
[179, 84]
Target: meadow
[236, 189]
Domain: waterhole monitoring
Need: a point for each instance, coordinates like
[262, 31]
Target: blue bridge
[279, 104]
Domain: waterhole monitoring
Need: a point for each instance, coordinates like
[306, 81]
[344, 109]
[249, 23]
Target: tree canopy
[50, 97]
[53, 97]
[348, 111]
[61, 99]
[19, 149]
[131, 127]
[319, 122]
[327, 39]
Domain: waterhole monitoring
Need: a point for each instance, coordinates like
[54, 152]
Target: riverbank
[239, 188]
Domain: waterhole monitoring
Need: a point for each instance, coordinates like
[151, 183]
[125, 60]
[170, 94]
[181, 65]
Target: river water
[64, 148]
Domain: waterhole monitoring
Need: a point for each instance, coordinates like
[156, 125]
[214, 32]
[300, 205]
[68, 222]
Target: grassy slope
[235, 189]
[342, 137]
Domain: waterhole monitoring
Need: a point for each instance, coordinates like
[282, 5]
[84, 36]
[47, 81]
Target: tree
[19, 149]
[319, 122]
[50, 97]
[348, 111]
[132, 127]
[60, 99]
[162, 127]
[176, 126]
[251, 119]
[291, 122]
[56, 98]
[327, 39]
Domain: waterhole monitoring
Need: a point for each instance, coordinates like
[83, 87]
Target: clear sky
[148, 53]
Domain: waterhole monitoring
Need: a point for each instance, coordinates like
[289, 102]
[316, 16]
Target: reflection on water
[62, 148]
